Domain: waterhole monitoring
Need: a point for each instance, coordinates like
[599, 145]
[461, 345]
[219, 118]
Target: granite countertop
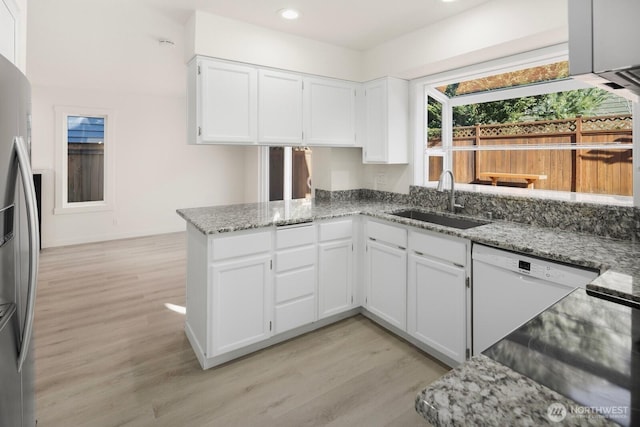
[616, 259]
[485, 392]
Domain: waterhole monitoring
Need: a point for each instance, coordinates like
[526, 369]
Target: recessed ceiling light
[289, 13]
[447, 1]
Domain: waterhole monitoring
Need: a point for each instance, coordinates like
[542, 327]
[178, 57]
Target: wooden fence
[603, 171]
[85, 171]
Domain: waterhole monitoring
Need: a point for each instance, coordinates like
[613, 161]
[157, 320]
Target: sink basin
[434, 218]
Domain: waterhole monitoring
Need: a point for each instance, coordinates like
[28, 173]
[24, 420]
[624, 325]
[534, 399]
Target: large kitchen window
[528, 126]
[83, 146]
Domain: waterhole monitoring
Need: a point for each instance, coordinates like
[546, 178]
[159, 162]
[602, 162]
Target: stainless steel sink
[434, 218]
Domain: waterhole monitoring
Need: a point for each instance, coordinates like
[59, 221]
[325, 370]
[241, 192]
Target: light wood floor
[110, 353]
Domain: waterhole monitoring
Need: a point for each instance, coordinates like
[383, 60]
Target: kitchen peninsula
[616, 258]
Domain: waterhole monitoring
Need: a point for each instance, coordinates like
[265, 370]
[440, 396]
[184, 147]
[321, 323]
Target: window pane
[276, 173]
[436, 165]
[301, 173]
[527, 76]
[434, 123]
[563, 166]
[85, 159]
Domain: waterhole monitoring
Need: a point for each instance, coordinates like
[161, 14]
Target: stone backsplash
[619, 222]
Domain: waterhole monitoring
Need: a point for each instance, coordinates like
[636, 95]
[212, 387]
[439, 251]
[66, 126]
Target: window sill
[87, 207]
[565, 196]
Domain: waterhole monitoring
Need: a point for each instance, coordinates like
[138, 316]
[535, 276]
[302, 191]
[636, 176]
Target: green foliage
[553, 106]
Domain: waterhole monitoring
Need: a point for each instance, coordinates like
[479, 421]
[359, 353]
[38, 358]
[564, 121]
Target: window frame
[62, 204]
[421, 88]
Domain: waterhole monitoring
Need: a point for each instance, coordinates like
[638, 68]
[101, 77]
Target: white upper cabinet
[330, 112]
[225, 97]
[279, 107]
[8, 30]
[387, 121]
[233, 103]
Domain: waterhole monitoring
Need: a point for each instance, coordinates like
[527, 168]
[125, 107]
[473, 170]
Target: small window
[83, 150]
[85, 159]
[287, 173]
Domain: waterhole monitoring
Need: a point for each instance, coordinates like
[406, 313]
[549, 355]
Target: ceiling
[355, 24]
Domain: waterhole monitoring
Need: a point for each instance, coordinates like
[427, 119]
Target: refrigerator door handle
[34, 244]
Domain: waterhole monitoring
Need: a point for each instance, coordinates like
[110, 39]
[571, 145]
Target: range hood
[604, 44]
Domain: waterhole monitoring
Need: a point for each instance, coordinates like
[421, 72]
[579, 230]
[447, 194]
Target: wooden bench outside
[531, 178]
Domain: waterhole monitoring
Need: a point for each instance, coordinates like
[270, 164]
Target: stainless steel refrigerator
[19, 245]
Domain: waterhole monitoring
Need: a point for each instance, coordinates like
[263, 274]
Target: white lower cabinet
[386, 273]
[437, 313]
[240, 301]
[436, 309]
[335, 267]
[386, 294]
[250, 289]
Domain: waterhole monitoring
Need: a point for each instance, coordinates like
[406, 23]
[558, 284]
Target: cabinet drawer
[294, 236]
[295, 284]
[336, 230]
[295, 313]
[395, 236]
[295, 258]
[240, 245]
[443, 248]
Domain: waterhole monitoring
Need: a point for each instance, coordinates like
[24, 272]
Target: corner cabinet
[330, 112]
[437, 311]
[222, 102]
[386, 138]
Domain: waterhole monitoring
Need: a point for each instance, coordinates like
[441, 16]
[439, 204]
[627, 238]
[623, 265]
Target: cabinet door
[335, 278]
[240, 303]
[8, 32]
[279, 108]
[375, 143]
[436, 306]
[329, 112]
[386, 280]
[229, 102]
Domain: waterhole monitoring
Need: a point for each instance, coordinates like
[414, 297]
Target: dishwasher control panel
[529, 266]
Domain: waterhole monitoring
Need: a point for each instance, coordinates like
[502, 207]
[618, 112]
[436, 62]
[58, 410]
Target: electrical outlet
[381, 179]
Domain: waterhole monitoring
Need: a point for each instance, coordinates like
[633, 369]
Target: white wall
[492, 30]
[107, 55]
[156, 171]
[221, 37]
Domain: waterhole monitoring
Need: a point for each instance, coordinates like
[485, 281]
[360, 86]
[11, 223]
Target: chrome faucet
[452, 197]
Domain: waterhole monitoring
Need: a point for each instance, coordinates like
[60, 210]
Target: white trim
[62, 206]
[287, 191]
[263, 174]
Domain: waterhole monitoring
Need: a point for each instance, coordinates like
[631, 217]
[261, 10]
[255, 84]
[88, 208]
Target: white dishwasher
[510, 289]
